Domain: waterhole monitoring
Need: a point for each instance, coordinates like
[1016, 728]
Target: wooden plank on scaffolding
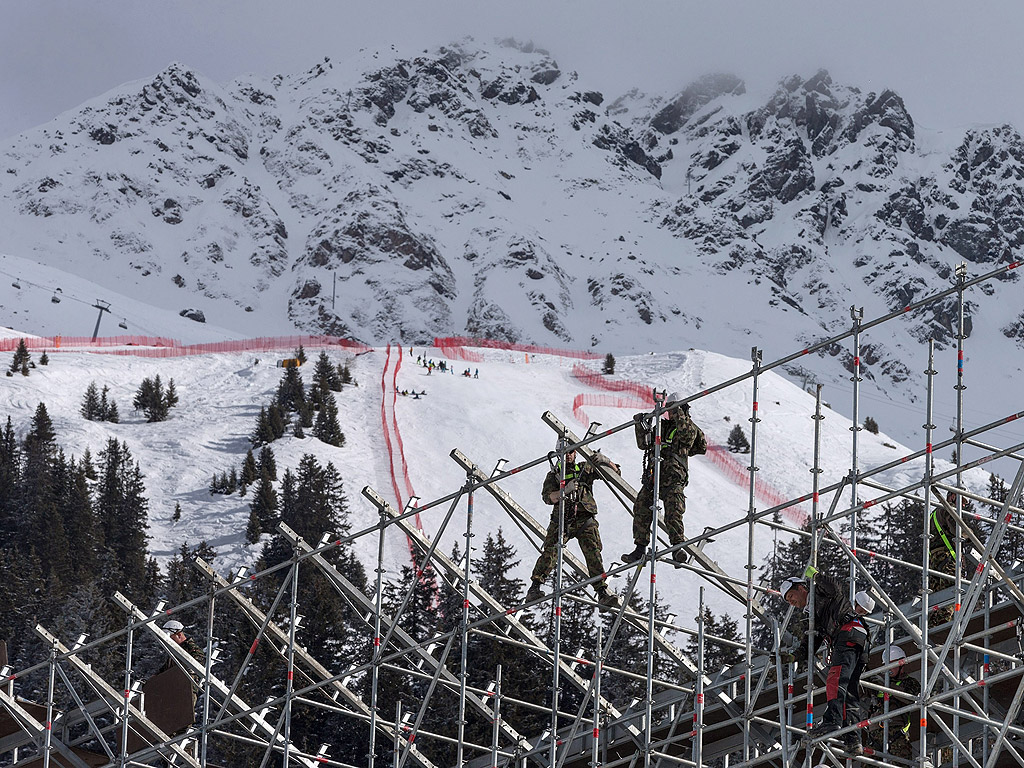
[184, 658]
[258, 617]
[445, 565]
[37, 731]
[142, 725]
[686, 664]
[709, 569]
[404, 639]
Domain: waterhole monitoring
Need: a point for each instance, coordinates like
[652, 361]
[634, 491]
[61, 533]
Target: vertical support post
[293, 611]
[595, 759]
[783, 719]
[49, 706]
[929, 427]
[398, 735]
[748, 704]
[659, 410]
[496, 723]
[129, 639]
[815, 503]
[463, 671]
[378, 650]
[856, 315]
[203, 732]
[556, 601]
[961, 277]
[697, 753]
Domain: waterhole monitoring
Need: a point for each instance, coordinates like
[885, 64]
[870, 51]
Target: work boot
[852, 743]
[638, 553]
[681, 556]
[534, 592]
[606, 597]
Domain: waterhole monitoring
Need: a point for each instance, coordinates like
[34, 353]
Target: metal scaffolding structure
[759, 711]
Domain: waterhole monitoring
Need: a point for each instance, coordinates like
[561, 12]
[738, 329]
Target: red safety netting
[732, 468]
[607, 401]
[397, 466]
[61, 342]
[454, 352]
[600, 381]
[154, 346]
[464, 341]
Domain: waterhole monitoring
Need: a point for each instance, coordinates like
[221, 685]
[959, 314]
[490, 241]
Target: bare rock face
[515, 277]
[392, 281]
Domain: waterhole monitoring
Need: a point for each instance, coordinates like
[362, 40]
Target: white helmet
[865, 601]
[675, 397]
[173, 626]
[896, 653]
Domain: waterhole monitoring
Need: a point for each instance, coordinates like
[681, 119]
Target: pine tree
[80, 524]
[291, 393]
[44, 359]
[737, 440]
[716, 655]
[170, 396]
[325, 377]
[326, 428]
[123, 511]
[232, 481]
[185, 582]
[266, 464]
[300, 355]
[103, 412]
[248, 474]
[277, 420]
[871, 425]
[344, 374]
[10, 483]
[151, 399]
[263, 433]
[112, 415]
[609, 364]
[21, 358]
[997, 490]
[177, 512]
[90, 409]
[264, 504]
[39, 524]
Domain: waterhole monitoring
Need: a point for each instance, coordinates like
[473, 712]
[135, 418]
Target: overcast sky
[954, 63]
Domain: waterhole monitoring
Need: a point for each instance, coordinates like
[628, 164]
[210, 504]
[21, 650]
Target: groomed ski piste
[399, 445]
[495, 416]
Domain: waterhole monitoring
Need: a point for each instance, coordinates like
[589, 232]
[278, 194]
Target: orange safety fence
[442, 342]
[155, 346]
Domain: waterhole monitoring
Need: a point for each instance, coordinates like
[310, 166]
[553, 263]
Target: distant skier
[580, 521]
[680, 439]
[846, 638]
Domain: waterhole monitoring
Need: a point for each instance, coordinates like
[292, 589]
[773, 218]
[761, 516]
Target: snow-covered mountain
[486, 190]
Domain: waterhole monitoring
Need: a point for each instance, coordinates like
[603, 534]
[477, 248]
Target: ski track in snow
[495, 416]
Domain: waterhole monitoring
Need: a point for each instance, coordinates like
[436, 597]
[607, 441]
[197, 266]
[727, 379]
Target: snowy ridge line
[157, 346]
[466, 341]
[386, 429]
[642, 398]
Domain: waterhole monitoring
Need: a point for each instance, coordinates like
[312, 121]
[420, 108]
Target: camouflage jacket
[680, 438]
[581, 502]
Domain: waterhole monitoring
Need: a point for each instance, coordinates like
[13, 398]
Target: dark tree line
[154, 400]
[72, 532]
[96, 406]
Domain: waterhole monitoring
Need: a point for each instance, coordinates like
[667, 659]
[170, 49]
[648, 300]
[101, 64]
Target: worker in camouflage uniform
[680, 439]
[899, 727]
[576, 500]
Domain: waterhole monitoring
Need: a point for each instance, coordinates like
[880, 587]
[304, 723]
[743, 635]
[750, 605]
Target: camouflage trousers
[674, 500]
[899, 742]
[585, 530]
[942, 560]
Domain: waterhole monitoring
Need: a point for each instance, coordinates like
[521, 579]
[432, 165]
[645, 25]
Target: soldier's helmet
[173, 626]
[676, 397]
